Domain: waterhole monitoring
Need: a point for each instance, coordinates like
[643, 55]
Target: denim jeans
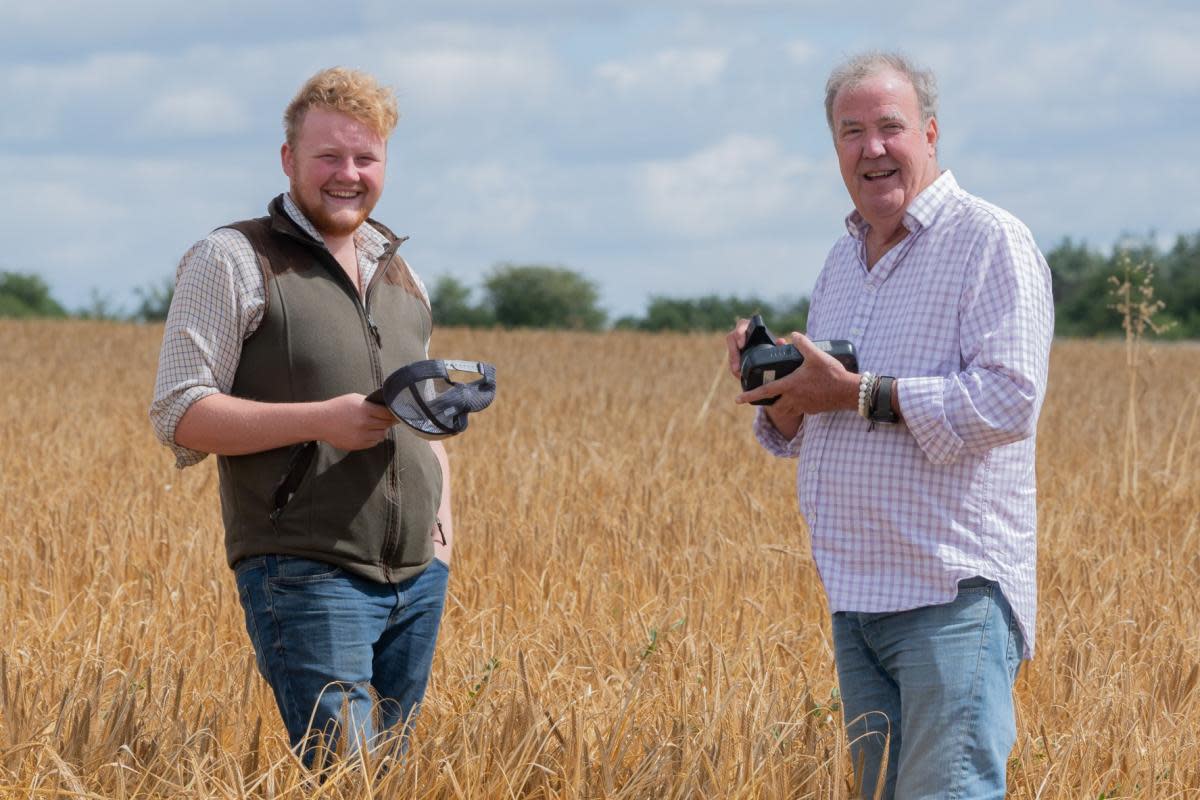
[324, 639]
[938, 680]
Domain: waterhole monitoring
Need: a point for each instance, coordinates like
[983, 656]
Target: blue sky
[673, 148]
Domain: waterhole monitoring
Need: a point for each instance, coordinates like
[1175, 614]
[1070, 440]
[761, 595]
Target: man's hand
[784, 421]
[234, 426]
[349, 422]
[734, 342]
[820, 384]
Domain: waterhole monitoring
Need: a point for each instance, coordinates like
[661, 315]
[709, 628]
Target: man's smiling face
[886, 154]
[336, 169]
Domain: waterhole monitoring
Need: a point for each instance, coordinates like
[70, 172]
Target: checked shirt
[960, 312]
[219, 301]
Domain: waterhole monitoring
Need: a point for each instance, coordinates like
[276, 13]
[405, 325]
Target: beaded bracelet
[866, 390]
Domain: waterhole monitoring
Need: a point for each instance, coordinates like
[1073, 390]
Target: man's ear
[931, 133]
[285, 158]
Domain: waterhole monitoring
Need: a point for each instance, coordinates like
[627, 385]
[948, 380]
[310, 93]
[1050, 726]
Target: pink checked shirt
[960, 312]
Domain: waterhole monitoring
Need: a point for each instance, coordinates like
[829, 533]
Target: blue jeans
[938, 680]
[324, 639]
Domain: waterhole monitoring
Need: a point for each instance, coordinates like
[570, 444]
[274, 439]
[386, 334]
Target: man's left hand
[820, 384]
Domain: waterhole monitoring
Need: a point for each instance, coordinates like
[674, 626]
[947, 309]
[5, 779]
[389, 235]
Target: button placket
[862, 313]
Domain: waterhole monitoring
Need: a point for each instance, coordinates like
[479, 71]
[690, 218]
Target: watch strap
[883, 404]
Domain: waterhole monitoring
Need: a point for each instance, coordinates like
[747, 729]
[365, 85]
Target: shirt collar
[367, 240]
[921, 212]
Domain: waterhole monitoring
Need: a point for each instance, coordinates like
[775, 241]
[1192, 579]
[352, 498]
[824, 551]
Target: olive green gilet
[368, 511]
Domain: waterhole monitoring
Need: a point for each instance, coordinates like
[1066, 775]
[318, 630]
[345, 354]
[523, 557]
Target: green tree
[1079, 279]
[101, 307]
[715, 313]
[154, 301]
[451, 305]
[787, 317]
[27, 295]
[1082, 280]
[535, 296]
[1179, 279]
[708, 313]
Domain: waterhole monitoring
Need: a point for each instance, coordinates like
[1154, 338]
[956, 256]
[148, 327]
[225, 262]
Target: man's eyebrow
[847, 122]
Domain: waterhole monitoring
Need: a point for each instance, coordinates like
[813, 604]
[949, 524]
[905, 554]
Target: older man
[916, 476]
[337, 524]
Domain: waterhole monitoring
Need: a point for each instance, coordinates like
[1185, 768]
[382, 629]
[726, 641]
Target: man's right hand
[234, 426]
[786, 423]
[350, 422]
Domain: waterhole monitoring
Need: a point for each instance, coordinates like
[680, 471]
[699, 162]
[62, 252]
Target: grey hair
[860, 67]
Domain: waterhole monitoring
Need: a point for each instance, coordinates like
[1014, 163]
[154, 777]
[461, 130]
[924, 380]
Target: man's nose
[347, 170]
[873, 146]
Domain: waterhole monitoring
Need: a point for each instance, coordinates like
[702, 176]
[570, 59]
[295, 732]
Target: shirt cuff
[166, 419]
[925, 416]
[771, 439]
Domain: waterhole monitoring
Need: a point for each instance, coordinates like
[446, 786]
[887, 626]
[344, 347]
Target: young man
[916, 477]
[337, 523]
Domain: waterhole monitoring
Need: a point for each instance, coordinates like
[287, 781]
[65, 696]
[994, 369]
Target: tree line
[537, 296]
[1083, 282]
[541, 296]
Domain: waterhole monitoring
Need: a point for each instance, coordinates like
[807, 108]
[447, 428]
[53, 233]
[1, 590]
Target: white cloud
[99, 72]
[1095, 74]
[37, 97]
[801, 51]
[120, 96]
[451, 67]
[1058, 197]
[118, 222]
[483, 199]
[200, 111]
[47, 18]
[666, 70]
[632, 141]
[740, 183]
[1172, 59]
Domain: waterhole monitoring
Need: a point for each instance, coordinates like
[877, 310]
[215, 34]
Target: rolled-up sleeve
[218, 300]
[1007, 325]
[774, 441]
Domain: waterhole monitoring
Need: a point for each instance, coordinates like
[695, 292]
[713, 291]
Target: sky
[673, 148]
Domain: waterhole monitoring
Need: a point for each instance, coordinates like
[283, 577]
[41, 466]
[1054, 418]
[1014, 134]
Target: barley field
[632, 610]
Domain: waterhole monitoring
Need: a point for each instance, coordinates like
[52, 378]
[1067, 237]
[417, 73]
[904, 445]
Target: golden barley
[632, 609]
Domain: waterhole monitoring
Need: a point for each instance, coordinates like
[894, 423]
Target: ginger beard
[330, 222]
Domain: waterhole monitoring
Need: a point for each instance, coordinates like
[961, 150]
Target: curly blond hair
[348, 91]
